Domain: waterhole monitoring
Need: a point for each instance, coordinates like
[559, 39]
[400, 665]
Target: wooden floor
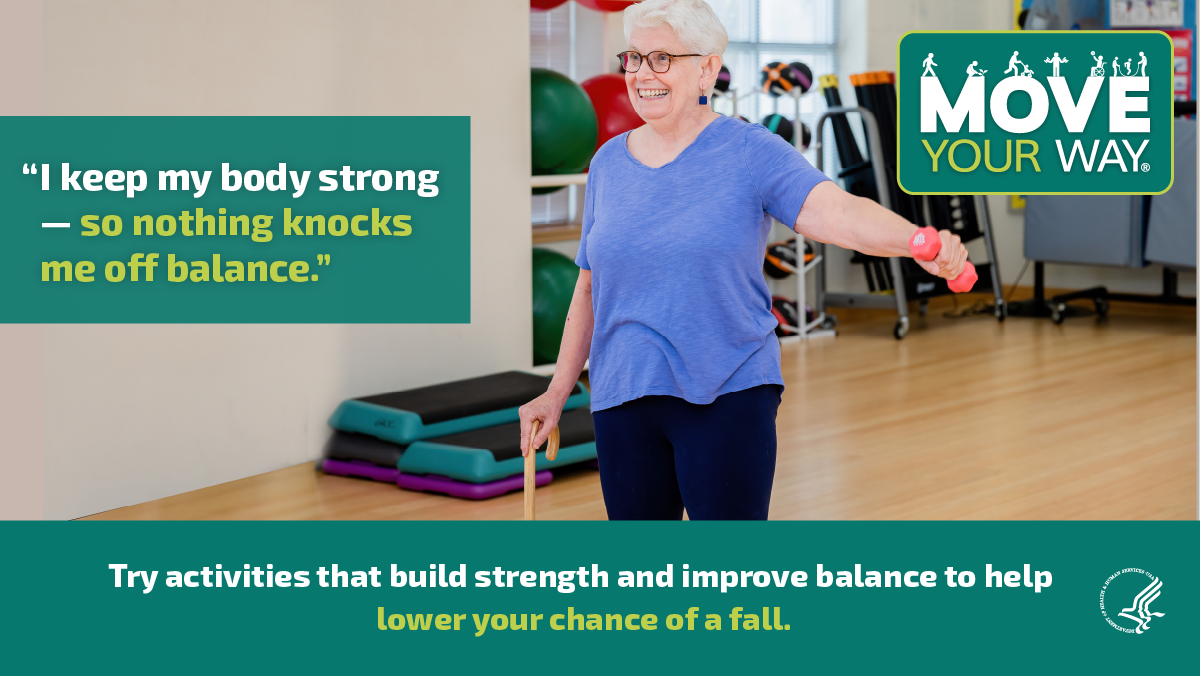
[966, 418]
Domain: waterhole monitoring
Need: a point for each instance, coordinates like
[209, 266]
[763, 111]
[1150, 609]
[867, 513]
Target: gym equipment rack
[825, 298]
[820, 326]
[877, 96]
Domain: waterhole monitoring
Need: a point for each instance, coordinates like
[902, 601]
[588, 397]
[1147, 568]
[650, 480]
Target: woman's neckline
[682, 153]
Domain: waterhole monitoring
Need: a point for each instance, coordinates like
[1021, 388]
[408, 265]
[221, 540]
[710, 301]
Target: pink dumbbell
[925, 245]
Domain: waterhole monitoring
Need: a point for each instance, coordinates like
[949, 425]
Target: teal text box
[368, 269]
[62, 611]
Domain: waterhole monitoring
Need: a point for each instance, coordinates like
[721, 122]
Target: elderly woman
[671, 303]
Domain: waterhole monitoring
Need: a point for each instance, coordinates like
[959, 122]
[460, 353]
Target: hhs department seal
[1125, 600]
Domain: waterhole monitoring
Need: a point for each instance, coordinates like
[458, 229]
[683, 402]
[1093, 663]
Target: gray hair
[694, 22]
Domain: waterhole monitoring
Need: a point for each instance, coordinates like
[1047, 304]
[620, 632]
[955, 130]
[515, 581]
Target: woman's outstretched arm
[572, 355]
[834, 216]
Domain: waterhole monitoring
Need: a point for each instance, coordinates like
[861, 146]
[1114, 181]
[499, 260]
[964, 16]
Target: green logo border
[1104, 32]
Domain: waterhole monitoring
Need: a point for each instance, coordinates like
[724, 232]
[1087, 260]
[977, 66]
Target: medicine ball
[543, 5]
[723, 80]
[805, 136]
[786, 314]
[614, 111]
[563, 125]
[780, 125]
[554, 277]
[780, 260]
[779, 78]
[805, 77]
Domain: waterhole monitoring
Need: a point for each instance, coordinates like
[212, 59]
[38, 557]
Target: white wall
[121, 414]
[869, 31]
[21, 494]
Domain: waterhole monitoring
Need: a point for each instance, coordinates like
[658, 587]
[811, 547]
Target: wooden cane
[531, 466]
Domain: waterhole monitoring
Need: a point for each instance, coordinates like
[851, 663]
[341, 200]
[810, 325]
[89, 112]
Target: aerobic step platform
[360, 469]
[449, 408]
[462, 489]
[494, 453]
[430, 483]
[351, 447]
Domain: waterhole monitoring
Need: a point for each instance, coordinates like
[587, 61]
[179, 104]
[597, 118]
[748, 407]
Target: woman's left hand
[951, 259]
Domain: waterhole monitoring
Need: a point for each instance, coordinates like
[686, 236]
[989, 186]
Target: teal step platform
[493, 453]
[448, 408]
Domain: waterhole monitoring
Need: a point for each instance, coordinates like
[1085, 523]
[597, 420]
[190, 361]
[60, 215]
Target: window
[568, 39]
[550, 39]
[762, 31]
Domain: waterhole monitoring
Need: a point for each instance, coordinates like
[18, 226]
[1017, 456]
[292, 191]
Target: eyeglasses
[660, 62]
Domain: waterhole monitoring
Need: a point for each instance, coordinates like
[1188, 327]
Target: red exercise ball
[614, 110]
[544, 5]
[608, 5]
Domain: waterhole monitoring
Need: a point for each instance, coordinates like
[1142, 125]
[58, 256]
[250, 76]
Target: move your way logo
[1134, 619]
[1053, 112]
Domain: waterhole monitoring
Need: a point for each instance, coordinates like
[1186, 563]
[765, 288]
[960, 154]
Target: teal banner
[235, 219]
[600, 598]
[1035, 112]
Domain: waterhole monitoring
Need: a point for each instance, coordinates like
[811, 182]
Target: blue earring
[704, 100]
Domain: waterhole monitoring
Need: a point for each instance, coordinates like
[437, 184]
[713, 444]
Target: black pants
[659, 455]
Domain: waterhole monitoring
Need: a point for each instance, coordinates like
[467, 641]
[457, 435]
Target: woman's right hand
[548, 409]
[572, 357]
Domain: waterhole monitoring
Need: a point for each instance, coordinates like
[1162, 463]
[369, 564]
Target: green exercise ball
[563, 123]
[554, 277]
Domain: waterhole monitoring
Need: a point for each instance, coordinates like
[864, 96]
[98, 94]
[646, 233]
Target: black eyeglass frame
[646, 59]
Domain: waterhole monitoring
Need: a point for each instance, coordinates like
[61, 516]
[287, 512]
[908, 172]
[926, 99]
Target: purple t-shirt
[676, 254]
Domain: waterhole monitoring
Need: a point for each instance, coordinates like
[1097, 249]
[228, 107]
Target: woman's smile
[653, 93]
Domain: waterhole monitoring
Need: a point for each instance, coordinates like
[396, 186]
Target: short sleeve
[781, 174]
[589, 205]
